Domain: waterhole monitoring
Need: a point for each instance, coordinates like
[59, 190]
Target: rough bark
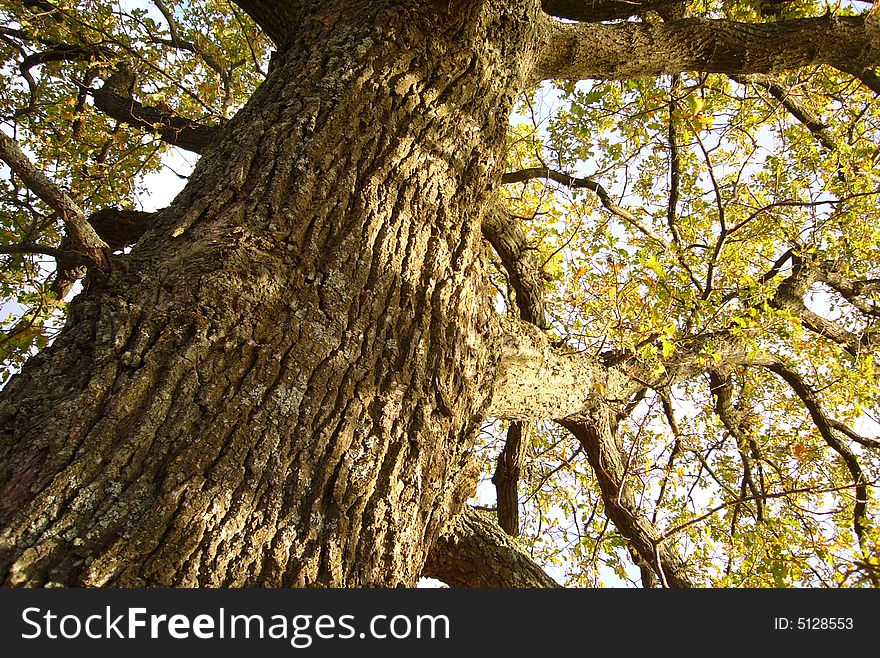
[508, 239]
[537, 381]
[280, 385]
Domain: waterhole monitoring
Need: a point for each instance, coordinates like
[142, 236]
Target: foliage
[55, 55]
[767, 503]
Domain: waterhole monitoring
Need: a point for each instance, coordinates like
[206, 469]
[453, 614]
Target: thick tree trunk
[280, 385]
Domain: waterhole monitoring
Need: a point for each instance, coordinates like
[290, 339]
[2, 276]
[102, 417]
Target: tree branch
[596, 436]
[674, 162]
[174, 129]
[583, 183]
[607, 202]
[853, 290]
[669, 413]
[474, 552]
[34, 248]
[865, 75]
[506, 477]
[83, 238]
[534, 380]
[737, 427]
[509, 241]
[826, 428]
[630, 49]
[275, 17]
[794, 107]
[525, 275]
[121, 228]
[789, 296]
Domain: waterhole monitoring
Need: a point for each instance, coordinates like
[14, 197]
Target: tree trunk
[281, 384]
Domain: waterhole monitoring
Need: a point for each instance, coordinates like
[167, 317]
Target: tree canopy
[690, 203]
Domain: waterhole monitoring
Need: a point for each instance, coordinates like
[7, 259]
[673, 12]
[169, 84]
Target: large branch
[596, 436]
[83, 238]
[628, 50]
[537, 381]
[524, 272]
[121, 228]
[118, 228]
[790, 295]
[474, 552]
[174, 129]
[276, 18]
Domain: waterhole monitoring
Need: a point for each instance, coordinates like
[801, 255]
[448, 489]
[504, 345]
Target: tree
[281, 378]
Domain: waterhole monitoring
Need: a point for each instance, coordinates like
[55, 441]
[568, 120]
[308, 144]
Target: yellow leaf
[654, 265]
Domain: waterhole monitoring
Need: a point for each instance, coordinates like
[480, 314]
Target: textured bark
[474, 552]
[535, 380]
[281, 384]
